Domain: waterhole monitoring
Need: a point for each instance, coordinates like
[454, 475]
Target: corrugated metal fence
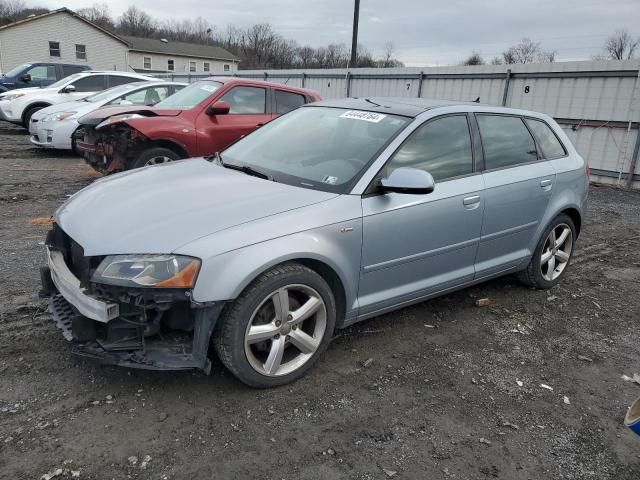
[597, 103]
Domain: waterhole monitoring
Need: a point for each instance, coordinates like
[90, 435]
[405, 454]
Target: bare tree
[136, 23]
[496, 61]
[621, 45]
[12, 9]
[474, 59]
[547, 56]
[527, 51]
[98, 13]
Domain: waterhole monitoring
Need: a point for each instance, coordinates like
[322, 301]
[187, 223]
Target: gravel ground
[449, 390]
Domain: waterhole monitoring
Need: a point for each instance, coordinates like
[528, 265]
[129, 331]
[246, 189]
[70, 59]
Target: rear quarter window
[506, 141]
[547, 140]
[287, 101]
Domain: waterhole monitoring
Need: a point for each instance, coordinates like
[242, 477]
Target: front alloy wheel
[278, 327]
[285, 330]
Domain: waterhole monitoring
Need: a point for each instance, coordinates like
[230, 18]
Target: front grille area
[80, 265]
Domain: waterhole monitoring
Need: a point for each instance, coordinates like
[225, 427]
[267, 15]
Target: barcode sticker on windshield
[366, 116]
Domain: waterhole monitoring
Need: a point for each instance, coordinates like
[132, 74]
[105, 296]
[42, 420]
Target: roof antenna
[477, 100]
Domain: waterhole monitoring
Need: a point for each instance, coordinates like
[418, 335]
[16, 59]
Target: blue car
[37, 74]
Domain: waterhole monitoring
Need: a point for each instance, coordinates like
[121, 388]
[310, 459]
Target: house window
[146, 63]
[226, 68]
[192, 66]
[54, 49]
[81, 52]
[171, 66]
[206, 66]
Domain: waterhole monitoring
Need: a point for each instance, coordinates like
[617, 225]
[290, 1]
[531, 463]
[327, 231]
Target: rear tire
[278, 327]
[153, 156]
[552, 255]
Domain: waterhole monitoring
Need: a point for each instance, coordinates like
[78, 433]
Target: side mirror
[68, 89]
[218, 108]
[26, 78]
[408, 180]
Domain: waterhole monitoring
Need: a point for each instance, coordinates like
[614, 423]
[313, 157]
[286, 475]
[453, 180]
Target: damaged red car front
[203, 118]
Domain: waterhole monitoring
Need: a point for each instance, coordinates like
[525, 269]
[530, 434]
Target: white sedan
[17, 106]
[54, 126]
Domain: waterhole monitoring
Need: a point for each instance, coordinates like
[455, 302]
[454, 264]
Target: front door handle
[471, 200]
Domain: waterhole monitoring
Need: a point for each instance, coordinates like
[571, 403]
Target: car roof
[408, 107]
[262, 83]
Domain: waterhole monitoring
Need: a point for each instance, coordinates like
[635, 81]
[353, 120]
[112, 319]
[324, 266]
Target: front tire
[278, 327]
[552, 255]
[26, 119]
[153, 156]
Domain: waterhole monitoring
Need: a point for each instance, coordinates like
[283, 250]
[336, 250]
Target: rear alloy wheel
[278, 327]
[552, 255]
[153, 156]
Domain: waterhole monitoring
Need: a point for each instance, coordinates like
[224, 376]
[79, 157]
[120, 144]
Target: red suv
[201, 119]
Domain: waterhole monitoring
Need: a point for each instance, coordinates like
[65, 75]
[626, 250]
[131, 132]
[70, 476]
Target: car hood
[79, 106]
[158, 209]
[97, 116]
[24, 90]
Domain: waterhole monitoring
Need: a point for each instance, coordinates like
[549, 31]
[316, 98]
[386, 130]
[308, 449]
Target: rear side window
[506, 141]
[115, 80]
[441, 147]
[251, 100]
[547, 140]
[287, 101]
[94, 83]
[71, 69]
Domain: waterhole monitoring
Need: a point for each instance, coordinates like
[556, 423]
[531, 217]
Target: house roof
[151, 45]
[145, 45]
[58, 11]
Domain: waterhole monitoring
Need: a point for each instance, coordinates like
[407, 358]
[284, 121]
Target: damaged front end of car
[108, 145]
[128, 310]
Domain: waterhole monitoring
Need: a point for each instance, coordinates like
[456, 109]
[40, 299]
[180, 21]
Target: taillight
[587, 169]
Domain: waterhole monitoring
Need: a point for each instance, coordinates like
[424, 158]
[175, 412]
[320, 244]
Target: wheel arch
[164, 143]
[575, 216]
[31, 106]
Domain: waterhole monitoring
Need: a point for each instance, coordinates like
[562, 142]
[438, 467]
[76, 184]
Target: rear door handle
[471, 200]
[546, 184]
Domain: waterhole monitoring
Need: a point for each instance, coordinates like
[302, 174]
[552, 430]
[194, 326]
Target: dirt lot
[440, 398]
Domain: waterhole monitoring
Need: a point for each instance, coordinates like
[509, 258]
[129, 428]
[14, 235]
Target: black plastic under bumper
[161, 352]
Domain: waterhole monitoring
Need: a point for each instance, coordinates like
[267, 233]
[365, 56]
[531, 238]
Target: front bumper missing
[69, 286]
[107, 332]
[165, 353]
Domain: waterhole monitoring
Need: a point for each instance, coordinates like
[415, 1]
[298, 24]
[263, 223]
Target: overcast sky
[424, 32]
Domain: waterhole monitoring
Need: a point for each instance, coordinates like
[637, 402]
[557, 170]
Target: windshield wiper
[241, 168]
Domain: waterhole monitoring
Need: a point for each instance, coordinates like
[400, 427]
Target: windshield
[190, 96]
[316, 147]
[62, 82]
[113, 92]
[15, 71]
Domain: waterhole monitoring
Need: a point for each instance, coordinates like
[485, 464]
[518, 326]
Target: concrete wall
[29, 42]
[159, 64]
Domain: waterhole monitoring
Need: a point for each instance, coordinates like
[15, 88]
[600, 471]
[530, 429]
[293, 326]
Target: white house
[64, 36]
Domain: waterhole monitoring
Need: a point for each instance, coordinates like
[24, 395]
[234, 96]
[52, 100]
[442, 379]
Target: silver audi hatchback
[331, 214]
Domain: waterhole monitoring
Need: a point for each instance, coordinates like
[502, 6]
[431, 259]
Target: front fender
[225, 276]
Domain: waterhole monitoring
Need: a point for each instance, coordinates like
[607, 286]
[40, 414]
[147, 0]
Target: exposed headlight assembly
[158, 271]
[118, 118]
[56, 117]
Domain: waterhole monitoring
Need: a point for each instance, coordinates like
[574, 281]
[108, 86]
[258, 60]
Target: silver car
[333, 213]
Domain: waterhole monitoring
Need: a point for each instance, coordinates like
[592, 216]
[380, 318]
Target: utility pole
[354, 39]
